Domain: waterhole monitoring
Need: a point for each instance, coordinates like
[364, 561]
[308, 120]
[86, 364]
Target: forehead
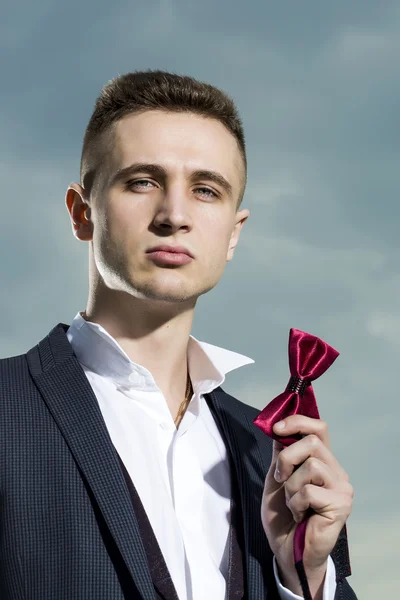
[180, 142]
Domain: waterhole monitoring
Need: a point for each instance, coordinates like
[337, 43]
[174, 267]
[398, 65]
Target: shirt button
[137, 378]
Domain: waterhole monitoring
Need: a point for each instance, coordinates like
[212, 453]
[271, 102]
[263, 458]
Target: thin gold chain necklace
[184, 404]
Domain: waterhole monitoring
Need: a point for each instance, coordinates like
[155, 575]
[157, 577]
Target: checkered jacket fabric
[67, 527]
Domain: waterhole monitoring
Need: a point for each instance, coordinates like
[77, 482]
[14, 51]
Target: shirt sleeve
[329, 584]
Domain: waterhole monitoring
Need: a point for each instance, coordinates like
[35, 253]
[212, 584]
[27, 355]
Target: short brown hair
[151, 90]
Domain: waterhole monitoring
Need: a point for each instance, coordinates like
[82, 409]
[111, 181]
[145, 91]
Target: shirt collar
[97, 350]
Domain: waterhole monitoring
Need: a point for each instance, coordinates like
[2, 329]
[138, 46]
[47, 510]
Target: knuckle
[346, 477]
[323, 425]
[307, 491]
[345, 504]
[349, 506]
[346, 509]
[292, 419]
[313, 441]
[347, 489]
[313, 464]
[351, 491]
[289, 488]
[281, 461]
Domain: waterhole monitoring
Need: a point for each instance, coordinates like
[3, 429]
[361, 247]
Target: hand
[319, 483]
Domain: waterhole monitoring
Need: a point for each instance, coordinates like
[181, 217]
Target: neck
[153, 334]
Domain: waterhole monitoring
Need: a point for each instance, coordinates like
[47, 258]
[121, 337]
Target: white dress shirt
[181, 475]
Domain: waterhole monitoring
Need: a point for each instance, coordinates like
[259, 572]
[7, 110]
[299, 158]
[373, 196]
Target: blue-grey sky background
[318, 88]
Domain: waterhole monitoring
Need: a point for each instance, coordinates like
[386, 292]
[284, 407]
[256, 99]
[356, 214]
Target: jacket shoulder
[249, 410]
[265, 443]
[15, 385]
[12, 368]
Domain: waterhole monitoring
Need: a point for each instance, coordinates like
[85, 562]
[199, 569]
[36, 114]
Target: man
[126, 470]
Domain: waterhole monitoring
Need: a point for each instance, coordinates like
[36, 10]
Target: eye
[140, 184]
[206, 192]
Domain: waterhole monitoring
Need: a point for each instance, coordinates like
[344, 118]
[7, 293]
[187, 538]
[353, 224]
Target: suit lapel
[159, 571]
[240, 436]
[73, 404]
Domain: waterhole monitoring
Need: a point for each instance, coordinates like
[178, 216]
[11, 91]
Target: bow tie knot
[309, 358]
[298, 384]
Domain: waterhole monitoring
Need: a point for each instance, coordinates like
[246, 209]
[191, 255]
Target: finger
[301, 425]
[334, 505]
[271, 485]
[312, 471]
[276, 450]
[296, 454]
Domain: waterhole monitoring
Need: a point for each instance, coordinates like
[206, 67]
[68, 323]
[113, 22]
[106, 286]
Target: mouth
[170, 255]
[171, 249]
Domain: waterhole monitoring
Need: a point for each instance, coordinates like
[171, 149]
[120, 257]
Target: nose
[173, 210]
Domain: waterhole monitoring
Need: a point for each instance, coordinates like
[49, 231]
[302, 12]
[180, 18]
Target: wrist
[315, 576]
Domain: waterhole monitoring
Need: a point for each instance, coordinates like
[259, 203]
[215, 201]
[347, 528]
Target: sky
[318, 88]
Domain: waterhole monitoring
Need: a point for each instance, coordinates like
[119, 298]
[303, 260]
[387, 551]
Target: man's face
[170, 179]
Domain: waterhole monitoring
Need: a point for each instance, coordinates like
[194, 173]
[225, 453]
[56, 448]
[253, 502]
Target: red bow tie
[309, 358]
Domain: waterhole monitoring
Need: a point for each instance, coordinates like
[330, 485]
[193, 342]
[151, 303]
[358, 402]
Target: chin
[171, 297]
[173, 294]
[162, 293]
[169, 289]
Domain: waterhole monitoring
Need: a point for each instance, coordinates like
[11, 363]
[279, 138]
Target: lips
[170, 256]
[171, 249]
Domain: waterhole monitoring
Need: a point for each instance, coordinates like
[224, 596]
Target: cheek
[217, 245]
[121, 223]
[117, 214]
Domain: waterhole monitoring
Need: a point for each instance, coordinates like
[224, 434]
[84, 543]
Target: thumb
[271, 482]
[276, 450]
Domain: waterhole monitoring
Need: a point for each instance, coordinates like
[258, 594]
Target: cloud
[318, 90]
[374, 556]
[43, 267]
[385, 326]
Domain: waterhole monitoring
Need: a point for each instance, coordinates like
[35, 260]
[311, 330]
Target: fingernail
[280, 426]
[277, 475]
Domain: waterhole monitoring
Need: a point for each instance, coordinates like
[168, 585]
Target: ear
[79, 212]
[240, 219]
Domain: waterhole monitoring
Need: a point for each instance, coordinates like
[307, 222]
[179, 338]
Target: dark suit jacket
[67, 528]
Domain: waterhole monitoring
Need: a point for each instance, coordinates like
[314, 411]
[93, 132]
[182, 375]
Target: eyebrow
[215, 177]
[161, 173]
[156, 170]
